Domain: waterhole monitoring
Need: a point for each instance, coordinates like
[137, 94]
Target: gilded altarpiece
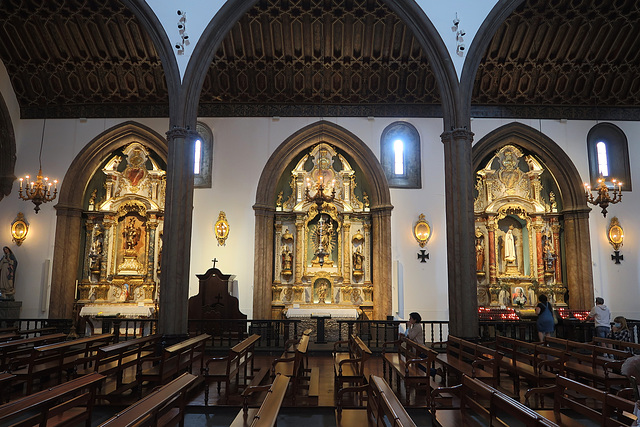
[322, 236]
[123, 224]
[518, 237]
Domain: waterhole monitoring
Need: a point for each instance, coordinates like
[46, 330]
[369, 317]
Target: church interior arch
[308, 166]
[527, 221]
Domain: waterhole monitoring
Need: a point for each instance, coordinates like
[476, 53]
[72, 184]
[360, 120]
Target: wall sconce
[604, 199]
[422, 231]
[616, 236]
[221, 229]
[19, 229]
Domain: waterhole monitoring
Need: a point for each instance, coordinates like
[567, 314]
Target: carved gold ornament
[615, 234]
[221, 229]
[19, 229]
[422, 231]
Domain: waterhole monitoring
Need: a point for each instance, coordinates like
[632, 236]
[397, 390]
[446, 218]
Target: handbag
[554, 314]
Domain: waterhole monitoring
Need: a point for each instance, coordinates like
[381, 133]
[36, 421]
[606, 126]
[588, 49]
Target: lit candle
[21, 184]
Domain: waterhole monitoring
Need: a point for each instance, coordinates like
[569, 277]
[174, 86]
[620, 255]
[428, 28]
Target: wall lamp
[616, 236]
[422, 231]
[19, 229]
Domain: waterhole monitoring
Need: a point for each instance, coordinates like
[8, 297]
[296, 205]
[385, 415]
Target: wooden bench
[383, 407]
[113, 360]
[173, 361]
[482, 405]
[223, 369]
[631, 347]
[570, 398]
[163, 406]
[267, 414]
[14, 354]
[38, 331]
[58, 359]
[66, 404]
[412, 362]
[521, 359]
[292, 363]
[588, 361]
[473, 360]
[348, 366]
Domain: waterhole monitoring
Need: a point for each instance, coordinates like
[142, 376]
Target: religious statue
[549, 254]
[509, 246]
[131, 235]
[279, 200]
[358, 259]
[479, 252]
[92, 200]
[95, 256]
[287, 259]
[322, 293]
[8, 265]
[160, 245]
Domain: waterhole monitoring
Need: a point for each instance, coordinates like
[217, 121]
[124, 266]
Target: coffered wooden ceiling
[550, 58]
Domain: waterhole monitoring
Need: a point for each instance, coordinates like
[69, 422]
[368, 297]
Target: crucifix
[423, 256]
[617, 257]
[214, 262]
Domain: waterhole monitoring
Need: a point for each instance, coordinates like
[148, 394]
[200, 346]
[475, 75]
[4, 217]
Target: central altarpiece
[322, 237]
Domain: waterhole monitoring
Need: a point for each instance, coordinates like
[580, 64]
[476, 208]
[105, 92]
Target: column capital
[180, 132]
[457, 134]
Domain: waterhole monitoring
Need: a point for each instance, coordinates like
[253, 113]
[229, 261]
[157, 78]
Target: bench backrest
[469, 352]
[75, 393]
[268, 412]
[386, 404]
[154, 405]
[631, 347]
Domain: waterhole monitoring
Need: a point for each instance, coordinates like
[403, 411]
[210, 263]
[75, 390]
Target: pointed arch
[380, 199]
[574, 206]
[7, 150]
[69, 208]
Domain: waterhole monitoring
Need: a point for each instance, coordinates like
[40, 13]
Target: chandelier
[319, 198]
[321, 251]
[38, 191]
[604, 199]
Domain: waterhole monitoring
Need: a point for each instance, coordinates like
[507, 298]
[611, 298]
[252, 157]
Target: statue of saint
[131, 235]
[8, 265]
[549, 254]
[287, 259]
[358, 259]
[509, 246]
[92, 200]
[322, 293]
[479, 254]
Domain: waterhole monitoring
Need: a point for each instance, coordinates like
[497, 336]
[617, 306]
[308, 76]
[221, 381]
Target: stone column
[263, 262]
[459, 188]
[66, 253]
[381, 261]
[174, 276]
[579, 271]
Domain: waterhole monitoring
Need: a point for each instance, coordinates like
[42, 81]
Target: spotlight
[460, 49]
[180, 12]
[178, 45]
[456, 21]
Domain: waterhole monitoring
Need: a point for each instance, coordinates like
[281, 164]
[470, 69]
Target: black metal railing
[225, 333]
[376, 332]
[61, 325]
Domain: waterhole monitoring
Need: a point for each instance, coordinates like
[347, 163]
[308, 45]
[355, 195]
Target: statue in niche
[509, 246]
[92, 200]
[358, 259]
[131, 235]
[479, 251]
[549, 254]
[160, 244]
[287, 259]
[322, 293]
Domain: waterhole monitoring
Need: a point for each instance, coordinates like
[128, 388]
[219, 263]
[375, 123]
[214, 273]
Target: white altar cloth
[128, 311]
[336, 313]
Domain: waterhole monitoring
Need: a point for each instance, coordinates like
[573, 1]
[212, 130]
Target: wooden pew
[292, 363]
[521, 359]
[412, 362]
[223, 369]
[59, 358]
[348, 366]
[63, 405]
[112, 361]
[174, 360]
[38, 331]
[16, 352]
[267, 414]
[473, 360]
[483, 405]
[569, 399]
[588, 361]
[631, 347]
[163, 406]
[383, 407]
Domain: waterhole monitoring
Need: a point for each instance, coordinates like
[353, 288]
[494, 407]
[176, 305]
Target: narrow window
[196, 162]
[603, 164]
[398, 150]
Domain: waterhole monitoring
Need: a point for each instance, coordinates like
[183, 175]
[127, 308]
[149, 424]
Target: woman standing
[8, 265]
[545, 323]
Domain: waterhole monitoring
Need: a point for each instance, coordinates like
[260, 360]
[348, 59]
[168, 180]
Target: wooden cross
[617, 257]
[214, 262]
[422, 256]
